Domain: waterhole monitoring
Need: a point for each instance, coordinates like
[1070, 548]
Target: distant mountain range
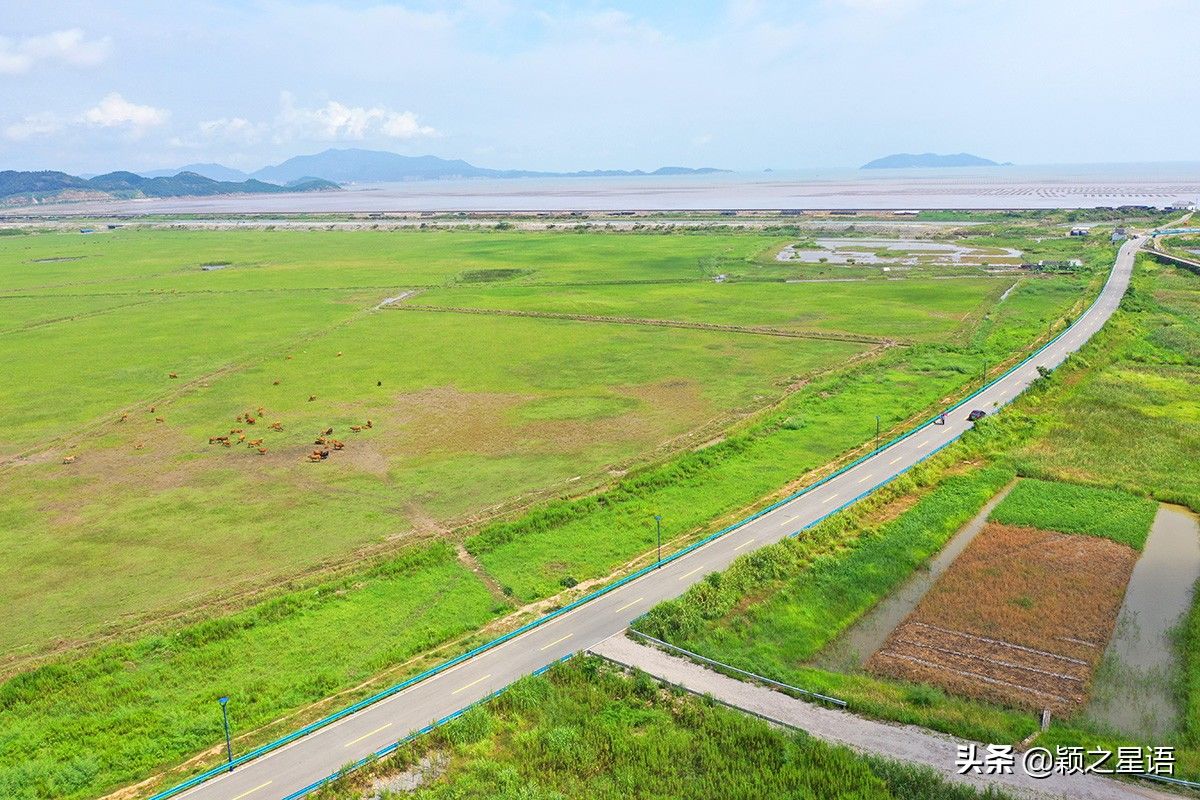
[318, 172]
[377, 166]
[20, 187]
[905, 160]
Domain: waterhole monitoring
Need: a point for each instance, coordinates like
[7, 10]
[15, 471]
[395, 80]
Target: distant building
[1118, 234]
[1182, 205]
[87, 230]
[905, 213]
[1079, 231]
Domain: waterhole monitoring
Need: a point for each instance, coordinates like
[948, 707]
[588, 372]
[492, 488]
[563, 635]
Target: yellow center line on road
[627, 605]
[894, 460]
[790, 519]
[746, 543]
[690, 574]
[365, 735]
[472, 683]
[557, 641]
[829, 499]
[922, 444]
[863, 479]
[252, 791]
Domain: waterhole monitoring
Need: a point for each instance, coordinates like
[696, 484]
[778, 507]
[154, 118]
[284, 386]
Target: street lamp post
[876, 431]
[658, 527]
[228, 741]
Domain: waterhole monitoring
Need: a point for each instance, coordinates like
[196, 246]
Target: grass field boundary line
[837, 336]
[42, 323]
[280, 742]
[806, 692]
[244, 361]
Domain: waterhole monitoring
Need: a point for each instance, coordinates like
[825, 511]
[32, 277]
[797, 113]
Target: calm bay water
[1071, 186]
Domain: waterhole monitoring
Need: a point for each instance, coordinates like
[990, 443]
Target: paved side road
[287, 771]
[899, 742]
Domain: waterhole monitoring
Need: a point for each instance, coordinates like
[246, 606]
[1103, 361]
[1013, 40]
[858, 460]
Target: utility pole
[658, 526]
[876, 431]
[228, 741]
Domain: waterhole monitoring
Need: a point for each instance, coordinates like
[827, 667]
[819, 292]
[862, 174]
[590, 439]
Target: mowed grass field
[469, 412]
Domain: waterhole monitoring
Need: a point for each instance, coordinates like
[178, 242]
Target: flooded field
[898, 252]
[1132, 692]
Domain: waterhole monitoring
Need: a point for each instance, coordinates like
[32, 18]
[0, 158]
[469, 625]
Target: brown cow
[356, 428]
[328, 432]
[369, 425]
[337, 445]
[68, 459]
[173, 375]
[277, 426]
[123, 417]
[312, 397]
[275, 382]
[159, 419]
[262, 451]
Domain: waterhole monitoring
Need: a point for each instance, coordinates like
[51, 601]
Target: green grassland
[1064, 507]
[917, 310]
[1133, 423]
[84, 725]
[586, 730]
[471, 413]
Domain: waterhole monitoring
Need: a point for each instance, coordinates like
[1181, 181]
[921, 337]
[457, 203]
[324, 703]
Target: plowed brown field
[1022, 617]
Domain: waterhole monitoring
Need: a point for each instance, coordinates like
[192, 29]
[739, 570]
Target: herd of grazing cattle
[324, 439]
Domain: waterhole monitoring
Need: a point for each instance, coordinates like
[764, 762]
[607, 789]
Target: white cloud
[335, 121]
[70, 46]
[236, 129]
[114, 111]
[33, 125]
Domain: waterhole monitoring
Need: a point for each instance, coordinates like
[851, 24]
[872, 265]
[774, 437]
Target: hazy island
[921, 160]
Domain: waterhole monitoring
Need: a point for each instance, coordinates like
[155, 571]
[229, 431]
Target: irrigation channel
[1132, 690]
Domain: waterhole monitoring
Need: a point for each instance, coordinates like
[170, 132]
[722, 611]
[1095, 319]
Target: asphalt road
[309, 759]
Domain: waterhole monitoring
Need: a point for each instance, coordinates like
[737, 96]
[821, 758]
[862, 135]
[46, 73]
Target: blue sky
[141, 84]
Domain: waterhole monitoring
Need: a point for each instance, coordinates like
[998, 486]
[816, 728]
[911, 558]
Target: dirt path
[839, 336]
[899, 742]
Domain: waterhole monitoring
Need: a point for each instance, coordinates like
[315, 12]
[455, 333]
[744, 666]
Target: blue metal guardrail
[397, 688]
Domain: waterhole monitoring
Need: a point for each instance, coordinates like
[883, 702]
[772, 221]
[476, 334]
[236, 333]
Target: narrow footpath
[898, 742]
